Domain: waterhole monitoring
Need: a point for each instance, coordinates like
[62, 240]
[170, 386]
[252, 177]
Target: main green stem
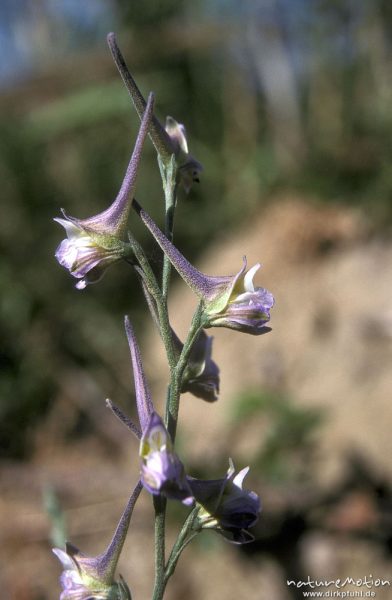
[173, 404]
[168, 174]
[185, 536]
[160, 518]
[177, 368]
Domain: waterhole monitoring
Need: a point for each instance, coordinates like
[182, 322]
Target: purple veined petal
[66, 254]
[83, 257]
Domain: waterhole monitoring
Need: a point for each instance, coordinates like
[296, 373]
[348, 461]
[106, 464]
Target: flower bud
[201, 376]
[189, 167]
[167, 141]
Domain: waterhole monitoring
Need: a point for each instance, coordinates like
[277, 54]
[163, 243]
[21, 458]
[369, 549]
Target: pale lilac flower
[226, 506]
[87, 255]
[92, 578]
[93, 244]
[167, 141]
[162, 472]
[247, 308]
[229, 301]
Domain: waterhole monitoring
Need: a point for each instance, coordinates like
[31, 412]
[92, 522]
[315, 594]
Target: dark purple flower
[162, 472]
[226, 506]
[167, 141]
[229, 301]
[92, 578]
[93, 244]
[201, 376]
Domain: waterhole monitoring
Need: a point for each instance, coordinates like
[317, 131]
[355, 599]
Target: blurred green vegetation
[273, 100]
[287, 450]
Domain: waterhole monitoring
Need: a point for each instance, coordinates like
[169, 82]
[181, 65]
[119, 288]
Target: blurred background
[287, 104]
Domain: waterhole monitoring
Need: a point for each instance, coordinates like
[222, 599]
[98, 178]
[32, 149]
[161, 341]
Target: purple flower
[229, 301]
[86, 254]
[201, 376]
[93, 244]
[167, 141]
[162, 472]
[92, 578]
[247, 308]
[226, 506]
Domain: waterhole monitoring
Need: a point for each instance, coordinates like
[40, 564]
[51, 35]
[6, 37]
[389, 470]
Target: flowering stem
[153, 288]
[160, 517]
[172, 406]
[182, 541]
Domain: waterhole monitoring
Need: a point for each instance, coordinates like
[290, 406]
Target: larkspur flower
[229, 301]
[225, 506]
[92, 578]
[162, 472]
[201, 376]
[95, 243]
[167, 141]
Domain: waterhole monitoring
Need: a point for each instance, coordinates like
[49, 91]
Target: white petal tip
[239, 478]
